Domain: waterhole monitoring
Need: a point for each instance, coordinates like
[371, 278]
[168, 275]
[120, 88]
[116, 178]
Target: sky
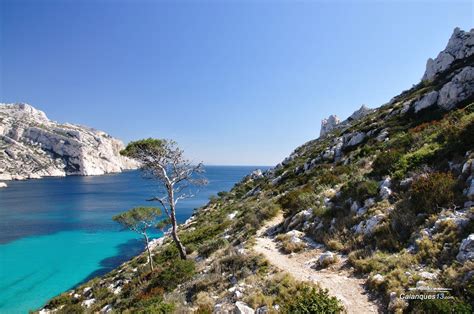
[233, 82]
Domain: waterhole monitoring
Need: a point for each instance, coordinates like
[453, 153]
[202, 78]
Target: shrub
[385, 162]
[432, 191]
[297, 200]
[361, 190]
[440, 306]
[211, 246]
[175, 273]
[312, 300]
[288, 246]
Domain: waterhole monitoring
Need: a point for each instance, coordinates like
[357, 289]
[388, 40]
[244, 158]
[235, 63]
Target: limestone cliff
[32, 146]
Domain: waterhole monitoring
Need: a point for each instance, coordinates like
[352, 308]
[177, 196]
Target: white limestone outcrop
[460, 45]
[329, 124]
[32, 146]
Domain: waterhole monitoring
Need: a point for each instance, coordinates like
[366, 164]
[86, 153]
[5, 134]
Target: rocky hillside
[32, 146]
[384, 198]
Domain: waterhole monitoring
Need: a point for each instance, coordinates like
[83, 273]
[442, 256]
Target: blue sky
[234, 82]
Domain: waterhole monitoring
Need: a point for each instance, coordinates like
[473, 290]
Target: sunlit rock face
[32, 146]
[460, 46]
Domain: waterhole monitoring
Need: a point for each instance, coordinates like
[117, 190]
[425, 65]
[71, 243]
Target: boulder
[377, 279]
[367, 227]
[326, 259]
[427, 101]
[3, 185]
[466, 250]
[354, 139]
[461, 87]
[243, 308]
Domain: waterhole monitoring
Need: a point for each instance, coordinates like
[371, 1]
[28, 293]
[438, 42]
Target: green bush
[440, 306]
[385, 163]
[297, 200]
[211, 246]
[430, 192]
[176, 272]
[361, 190]
[312, 300]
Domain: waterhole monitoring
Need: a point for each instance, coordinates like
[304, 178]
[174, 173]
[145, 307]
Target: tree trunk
[149, 252]
[177, 241]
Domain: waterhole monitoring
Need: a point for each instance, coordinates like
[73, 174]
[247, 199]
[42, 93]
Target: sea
[56, 233]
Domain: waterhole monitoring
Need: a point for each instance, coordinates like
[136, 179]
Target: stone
[3, 185]
[466, 250]
[326, 259]
[369, 202]
[36, 147]
[378, 279]
[106, 309]
[461, 87]
[470, 191]
[385, 190]
[232, 215]
[383, 135]
[256, 174]
[428, 276]
[360, 113]
[354, 139]
[355, 206]
[427, 101]
[329, 124]
[460, 45]
[367, 227]
[88, 303]
[243, 308]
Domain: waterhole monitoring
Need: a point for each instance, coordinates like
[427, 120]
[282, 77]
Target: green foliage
[298, 200]
[361, 190]
[176, 272]
[311, 300]
[211, 246]
[139, 218]
[385, 162]
[430, 192]
[440, 306]
[149, 146]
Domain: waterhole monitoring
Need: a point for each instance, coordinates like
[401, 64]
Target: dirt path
[337, 280]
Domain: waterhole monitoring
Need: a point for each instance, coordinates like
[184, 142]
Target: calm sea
[56, 233]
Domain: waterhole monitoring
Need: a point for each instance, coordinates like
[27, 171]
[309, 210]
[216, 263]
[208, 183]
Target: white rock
[232, 215]
[367, 227]
[378, 279]
[427, 101]
[329, 124]
[37, 147]
[458, 89]
[256, 174]
[360, 113]
[325, 259]
[466, 250]
[460, 45]
[106, 309]
[3, 185]
[243, 308]
[88, 303]
[428, 276]
[354, 139]
[382, 136]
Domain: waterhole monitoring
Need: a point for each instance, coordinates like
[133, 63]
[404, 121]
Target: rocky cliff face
[32, 146]
[460, 46]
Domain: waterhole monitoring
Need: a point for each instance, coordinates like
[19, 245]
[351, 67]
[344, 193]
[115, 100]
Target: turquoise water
[56, 233]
